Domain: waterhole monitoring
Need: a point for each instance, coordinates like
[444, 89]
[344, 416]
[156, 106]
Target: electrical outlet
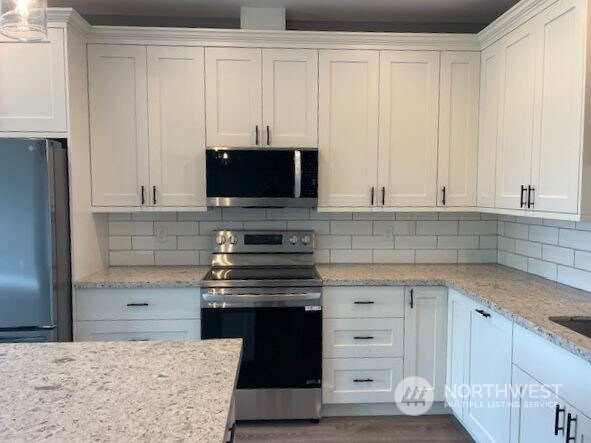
[161, 235]
[389, 233]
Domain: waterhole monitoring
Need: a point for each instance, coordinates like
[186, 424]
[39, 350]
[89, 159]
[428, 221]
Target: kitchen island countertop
[118, 391]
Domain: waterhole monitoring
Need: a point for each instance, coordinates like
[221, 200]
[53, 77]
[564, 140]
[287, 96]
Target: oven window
[250, 173]
[282, 346]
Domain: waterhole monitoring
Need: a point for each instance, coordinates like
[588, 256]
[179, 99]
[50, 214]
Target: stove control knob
[306, 240]
[232, 239]
[220, 240]
[293, 239]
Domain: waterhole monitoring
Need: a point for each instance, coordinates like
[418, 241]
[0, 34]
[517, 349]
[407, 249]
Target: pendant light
[24, 20]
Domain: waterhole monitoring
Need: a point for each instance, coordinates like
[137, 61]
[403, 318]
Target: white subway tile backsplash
[583, 260]
[119, 243]
[437, 228]
[131, 258]
[151, 243]
[315, 215]
[119, 216]
[350, 256]
[477, 256]
[543, 234]
[131, 228]
[507, 244]
[436, 256]
[556, 254]
[288, 214]
[212, 214]
[178, 228]
[373, 216]
[560, 223]
[351, 227]
[176, 258]
[513, 260]
[542, 268]
[478, 227]
[244, 214]
[320, 227]
[393, 256]
[571, 238]
[528, 248]
[516, 230]
[266, 225]
[458, 242]
[372, 242]
[154, 216]
[207, 227]
[454, 216]
[489, 242]
[396, 227]
[195, 242]
[333, 242]
[574, 277]
[415, 242]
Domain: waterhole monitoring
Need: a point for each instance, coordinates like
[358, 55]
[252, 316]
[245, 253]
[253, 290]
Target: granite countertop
[129, 277]
[118, 391]
[526, 299]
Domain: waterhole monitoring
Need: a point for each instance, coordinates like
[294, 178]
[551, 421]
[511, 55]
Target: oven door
[282, 345]
[262, 177]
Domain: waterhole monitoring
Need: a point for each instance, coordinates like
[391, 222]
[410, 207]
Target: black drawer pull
[569, 420]
[483, 313]
[365, 337]
[559, 411]
[364, 302]
[135, 305]
[363, 380]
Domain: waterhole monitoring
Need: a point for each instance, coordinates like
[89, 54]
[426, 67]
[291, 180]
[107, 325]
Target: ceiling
[375, 11]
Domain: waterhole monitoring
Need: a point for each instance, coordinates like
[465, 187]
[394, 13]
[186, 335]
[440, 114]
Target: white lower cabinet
[136, 314]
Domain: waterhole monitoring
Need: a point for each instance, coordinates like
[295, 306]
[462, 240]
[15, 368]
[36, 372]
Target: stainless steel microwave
[255, 177]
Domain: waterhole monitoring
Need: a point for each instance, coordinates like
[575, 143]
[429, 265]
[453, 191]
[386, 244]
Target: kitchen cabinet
[408, 125]
[458, 128]
[425, 323]
[261, 97]
[348, 128]
[136, 314]
[33, 85]
[539, 94]
[147, 127]
[490, 77]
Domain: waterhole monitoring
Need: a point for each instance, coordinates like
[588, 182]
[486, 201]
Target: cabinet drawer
[552, 365]
[381, 337]
[137, 330]
[355, 380]
[137, 304]
[363, 302]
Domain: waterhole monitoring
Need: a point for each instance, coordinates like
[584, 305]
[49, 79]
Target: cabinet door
[137, 330]
[458, 128]
[536, 419]
[559, 102]
[176, 99]
[488, 375]
[583, 428]
[425, 325]
[516, 116]
[409, 97]
[348, 128]
[489, 118]
[33, 85]
[458, 348]
[233, 97]
[290, 98]
[118, 124]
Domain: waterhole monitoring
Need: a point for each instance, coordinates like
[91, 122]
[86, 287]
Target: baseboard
[376, 409]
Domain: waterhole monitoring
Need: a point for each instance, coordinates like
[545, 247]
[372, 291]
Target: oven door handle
[312, 300]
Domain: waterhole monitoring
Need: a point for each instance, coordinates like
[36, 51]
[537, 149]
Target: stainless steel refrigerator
[35, 275]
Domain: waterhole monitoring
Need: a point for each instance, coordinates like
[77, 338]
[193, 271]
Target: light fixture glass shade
[24, 20]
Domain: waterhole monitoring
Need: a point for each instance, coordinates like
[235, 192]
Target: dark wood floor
[400, 429]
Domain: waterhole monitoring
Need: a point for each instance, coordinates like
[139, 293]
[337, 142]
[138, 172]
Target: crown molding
[514, 17]
[68, 17]
[278, 39]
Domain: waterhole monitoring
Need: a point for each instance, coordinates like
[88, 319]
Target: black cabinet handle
[364, 337]
[154, 194]
[136, 305]
[383, 196]
[522, 201]
[483, 313]
[559, 411]
[256, 135]
[530, 196]
[365, 380]
[143, 190]
[363, 302]
[373, 190]
[268, 136]
[412, 299]
[569, 420]
[444, 192]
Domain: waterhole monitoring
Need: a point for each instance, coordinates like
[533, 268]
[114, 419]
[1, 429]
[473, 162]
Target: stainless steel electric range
[263, 287]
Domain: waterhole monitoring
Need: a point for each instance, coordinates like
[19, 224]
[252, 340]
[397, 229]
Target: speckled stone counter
[128, 277]
[104, 391]
[521, 297]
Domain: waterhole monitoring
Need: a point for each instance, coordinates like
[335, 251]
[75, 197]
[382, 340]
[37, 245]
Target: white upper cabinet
[176, 126]
[489, 118]
[290, 98]
[118, 125]
[147, 126]
[458, 128]
[33, 85]
[266, 98]
[515, 138]
[559, 103]
[348, 128]
[233, 97]
[409, 95]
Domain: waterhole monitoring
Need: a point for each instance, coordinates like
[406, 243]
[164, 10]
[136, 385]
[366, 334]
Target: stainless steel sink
[582, 325]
